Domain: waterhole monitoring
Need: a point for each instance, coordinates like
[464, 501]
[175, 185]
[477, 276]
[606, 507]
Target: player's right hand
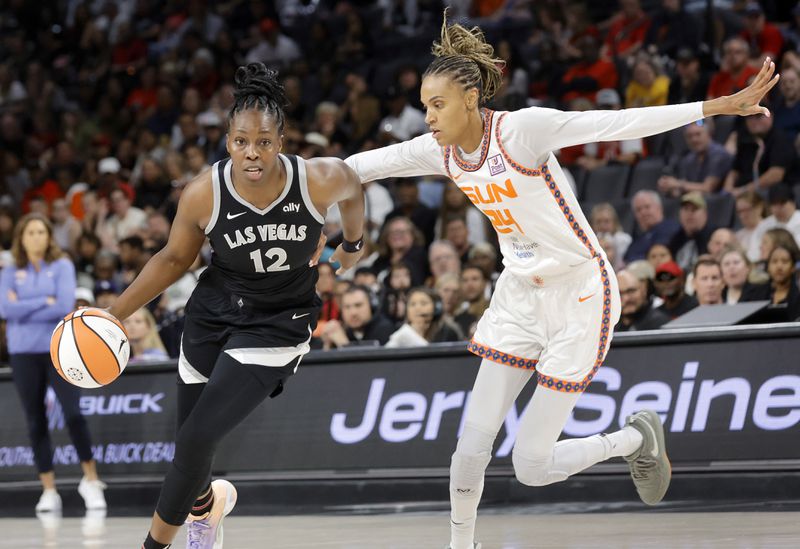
[346, 260]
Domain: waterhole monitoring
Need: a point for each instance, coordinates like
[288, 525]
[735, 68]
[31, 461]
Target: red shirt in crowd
[626, 33]
[603, 72]
[769, 40]
[725, 83]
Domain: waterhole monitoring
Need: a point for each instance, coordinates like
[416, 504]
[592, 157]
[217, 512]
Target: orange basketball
[89, 348]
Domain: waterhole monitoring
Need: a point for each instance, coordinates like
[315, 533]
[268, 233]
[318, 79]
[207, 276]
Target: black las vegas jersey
[260, 257]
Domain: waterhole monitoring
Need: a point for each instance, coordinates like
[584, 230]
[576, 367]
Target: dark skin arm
[331, 181]
[185, 240]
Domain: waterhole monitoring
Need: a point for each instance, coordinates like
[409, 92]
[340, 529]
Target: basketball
[89, 348]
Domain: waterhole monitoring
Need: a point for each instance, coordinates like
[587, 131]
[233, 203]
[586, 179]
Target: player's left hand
[746, 102]
[318, 252]
[346, 260]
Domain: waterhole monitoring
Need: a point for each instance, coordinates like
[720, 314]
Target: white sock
[623, 442]
[464, 512]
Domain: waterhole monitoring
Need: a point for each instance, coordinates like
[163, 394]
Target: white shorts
[562, 329]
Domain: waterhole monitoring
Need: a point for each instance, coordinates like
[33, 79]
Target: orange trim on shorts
[500, 357]
[605, 331]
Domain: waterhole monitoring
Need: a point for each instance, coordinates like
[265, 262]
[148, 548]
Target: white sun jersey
[516, 181]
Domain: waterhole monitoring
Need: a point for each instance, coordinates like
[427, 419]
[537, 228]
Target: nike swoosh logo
[235, 215]
[457, 177]
[582, 299]
[295, 316]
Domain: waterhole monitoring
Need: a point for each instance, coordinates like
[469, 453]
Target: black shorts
[218, 323]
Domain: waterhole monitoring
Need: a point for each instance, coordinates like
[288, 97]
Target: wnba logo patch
[496, 165]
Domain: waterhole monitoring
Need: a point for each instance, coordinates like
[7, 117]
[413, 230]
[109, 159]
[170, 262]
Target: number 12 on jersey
[276, 254]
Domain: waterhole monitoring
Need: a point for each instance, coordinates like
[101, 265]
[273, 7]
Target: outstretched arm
[418, 156]
[542, 130]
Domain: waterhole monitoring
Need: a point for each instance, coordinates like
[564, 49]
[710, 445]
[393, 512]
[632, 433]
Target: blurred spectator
[628, 151]
[736, 270]
[772, 239]
[765, 39]
[408, 205]
[652, 227]
[484, 256]
[424, 321]
[15, 179]
[669, 283]
[782, 288]
[707, 281]
[132, 258]
[272, 48]
[442, 258]
[361, 111]
[648, 87]
[400, 241]
[106, 292]
[673, 28]
[83, 297]
[212, 127]
[153, 186]
[604, 221]
[588, 75]
[764, 156]
[457, 234]
[720, 239]
[786, 104]
[690, 82]
[326, 285]
[146, 345]
[750, 212]
[125, 219]
[449, 288]
[734, 70]
[456, 204]
[66, 229]
[784, 215]
[627, 32]
[638, 312]
[703, 168]
[473, 289]
[403, 121]
[692, 239]
[396, 286]
[658, 254]
[361, 324]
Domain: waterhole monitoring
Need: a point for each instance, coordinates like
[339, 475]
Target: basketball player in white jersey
[557, 299]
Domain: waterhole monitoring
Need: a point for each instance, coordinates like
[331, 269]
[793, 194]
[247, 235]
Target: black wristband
[352, 247]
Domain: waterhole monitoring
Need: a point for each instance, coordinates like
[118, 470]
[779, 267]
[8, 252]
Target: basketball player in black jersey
[250, 318]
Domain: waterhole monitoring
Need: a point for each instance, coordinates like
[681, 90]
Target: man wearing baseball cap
[692, 240]
[669, 283]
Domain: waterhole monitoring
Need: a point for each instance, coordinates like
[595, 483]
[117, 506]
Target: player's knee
[532, 471]
[469, 462]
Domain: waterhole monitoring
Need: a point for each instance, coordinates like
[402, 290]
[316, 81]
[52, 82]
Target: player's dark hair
[257, 87]
[464, 56]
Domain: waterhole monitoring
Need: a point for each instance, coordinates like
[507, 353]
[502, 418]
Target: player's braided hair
[463, 55]
[257, 87]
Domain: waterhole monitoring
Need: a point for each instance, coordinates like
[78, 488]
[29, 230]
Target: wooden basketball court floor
[498, 528]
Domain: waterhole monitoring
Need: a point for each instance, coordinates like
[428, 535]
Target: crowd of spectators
[109, 108]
